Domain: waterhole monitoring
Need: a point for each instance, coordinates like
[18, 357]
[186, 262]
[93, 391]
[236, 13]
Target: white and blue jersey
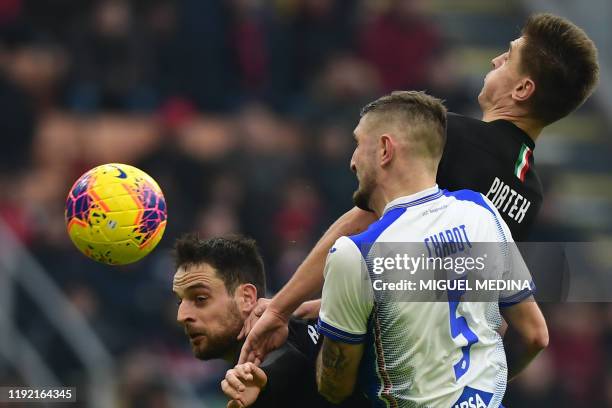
[420, 354]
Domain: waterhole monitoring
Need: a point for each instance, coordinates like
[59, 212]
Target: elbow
[538, 340]
[541, 341]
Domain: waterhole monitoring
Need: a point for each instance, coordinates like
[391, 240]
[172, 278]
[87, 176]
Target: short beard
[361, 197]
[223, 344]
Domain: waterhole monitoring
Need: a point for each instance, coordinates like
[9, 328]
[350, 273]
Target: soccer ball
[115, 214]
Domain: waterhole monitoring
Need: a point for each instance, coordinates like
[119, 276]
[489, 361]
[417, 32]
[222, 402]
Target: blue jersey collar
[421, 197]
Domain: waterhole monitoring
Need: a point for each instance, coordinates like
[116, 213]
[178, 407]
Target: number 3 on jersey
[458, 325]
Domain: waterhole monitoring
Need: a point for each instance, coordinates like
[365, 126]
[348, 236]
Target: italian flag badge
[522, 163]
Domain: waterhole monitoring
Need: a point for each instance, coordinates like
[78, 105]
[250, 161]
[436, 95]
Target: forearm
[308, 279]
[526, 336]
[519, 352]
[331, 365]
[305, 283]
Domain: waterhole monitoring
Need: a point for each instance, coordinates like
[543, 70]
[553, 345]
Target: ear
[387, 149]
[524, 90]
[246, 297]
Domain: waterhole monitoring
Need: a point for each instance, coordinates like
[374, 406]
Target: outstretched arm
[270, 331]
[308, 279]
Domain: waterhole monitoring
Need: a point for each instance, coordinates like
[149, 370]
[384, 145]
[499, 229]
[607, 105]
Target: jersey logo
[522, 163]
[473, 398]
[122, 174]
[313, 333]
[331, 251]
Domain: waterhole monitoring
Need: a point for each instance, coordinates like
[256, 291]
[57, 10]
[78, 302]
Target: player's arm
[270, 331]
[527, 335]
[346, 305]
[308, 278]
[308, 310]
[337, 367]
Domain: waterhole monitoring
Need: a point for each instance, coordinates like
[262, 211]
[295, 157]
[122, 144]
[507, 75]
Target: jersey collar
[517, 133]
[421, 197]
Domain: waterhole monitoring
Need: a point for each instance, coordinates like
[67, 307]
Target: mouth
[195, 336]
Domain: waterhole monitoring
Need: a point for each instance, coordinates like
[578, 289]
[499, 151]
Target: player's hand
[242, 385]
[269, 333]
[308, 310]
[250, 321]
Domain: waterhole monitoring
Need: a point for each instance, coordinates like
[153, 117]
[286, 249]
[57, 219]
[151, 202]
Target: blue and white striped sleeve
[515, 268]
[347, 298]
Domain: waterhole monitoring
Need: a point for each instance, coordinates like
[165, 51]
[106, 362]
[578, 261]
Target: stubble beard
[220, 345]
[363, 195]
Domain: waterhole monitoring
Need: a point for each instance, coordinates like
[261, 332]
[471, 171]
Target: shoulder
[459, 126]
[344, 247]
[475, 204]
[347, 247]
[457, 120]
[363, 240]
[343, 259]
[459, 123]
[465, 127]
[463, 132]
[472, 198]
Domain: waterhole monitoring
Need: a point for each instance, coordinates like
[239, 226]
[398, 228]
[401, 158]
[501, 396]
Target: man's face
[209, 314]
[503, 77]
[363, 165]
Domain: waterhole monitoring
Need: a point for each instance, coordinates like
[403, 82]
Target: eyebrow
[197, 286]
[193, 287]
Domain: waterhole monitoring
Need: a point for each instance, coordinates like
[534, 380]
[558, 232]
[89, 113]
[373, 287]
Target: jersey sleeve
[514, 267]
[347, 298]
[305, 336]
[442, 178]
[518, 272]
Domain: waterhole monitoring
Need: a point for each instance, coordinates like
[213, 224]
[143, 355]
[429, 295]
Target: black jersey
[291, 372]
[496, 159]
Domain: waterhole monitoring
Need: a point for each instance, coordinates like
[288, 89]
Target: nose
[352, 164]
[183, 314]
[496, 62]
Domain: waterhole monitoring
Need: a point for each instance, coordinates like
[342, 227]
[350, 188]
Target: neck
[390, 191]
[527, 125]
[233, 353]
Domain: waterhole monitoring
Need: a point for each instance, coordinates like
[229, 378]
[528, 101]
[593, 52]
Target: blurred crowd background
[243, 111]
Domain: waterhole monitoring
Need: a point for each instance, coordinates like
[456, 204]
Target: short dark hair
[562, 61]
[416, 108]
[235, 258]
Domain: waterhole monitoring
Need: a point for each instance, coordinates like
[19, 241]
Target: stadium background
[243, 110]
